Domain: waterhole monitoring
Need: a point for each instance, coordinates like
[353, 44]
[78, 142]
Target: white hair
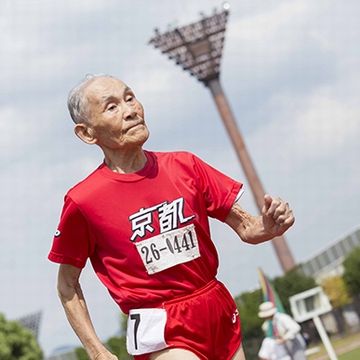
[77, 102]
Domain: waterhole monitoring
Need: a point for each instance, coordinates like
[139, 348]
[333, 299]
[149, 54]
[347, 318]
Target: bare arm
[276, 217]
[77, 313]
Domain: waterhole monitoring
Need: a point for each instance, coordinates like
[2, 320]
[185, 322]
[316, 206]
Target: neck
[125, 162]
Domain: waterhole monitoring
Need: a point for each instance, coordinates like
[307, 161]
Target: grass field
[347, 348]
[351, 355]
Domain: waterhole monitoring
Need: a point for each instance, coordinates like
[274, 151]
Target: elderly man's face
[116, 117]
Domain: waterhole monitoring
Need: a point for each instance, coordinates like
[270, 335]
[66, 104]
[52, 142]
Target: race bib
[169, 249]
[145, 331]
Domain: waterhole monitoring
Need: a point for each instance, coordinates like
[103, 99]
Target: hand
[106, 355]
[279, 341]
[277, 217]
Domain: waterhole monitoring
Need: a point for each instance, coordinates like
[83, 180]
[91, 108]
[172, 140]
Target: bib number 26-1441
[171, 248]
[145, 331]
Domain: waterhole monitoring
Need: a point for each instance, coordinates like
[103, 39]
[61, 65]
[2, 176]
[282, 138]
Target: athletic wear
[106, 215]
[205, 323]
[148, 238]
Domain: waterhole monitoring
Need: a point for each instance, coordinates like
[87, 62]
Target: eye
[129, 98]
[111, 107]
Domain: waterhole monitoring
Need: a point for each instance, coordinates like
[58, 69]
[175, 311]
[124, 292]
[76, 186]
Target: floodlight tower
[197, 48]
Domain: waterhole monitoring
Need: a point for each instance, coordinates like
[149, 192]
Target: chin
[140, 139]
[144, 134]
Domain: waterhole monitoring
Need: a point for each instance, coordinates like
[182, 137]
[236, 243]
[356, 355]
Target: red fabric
[205, 323]
[95, 223]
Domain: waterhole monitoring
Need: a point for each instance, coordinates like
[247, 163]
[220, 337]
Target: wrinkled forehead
[104, 87]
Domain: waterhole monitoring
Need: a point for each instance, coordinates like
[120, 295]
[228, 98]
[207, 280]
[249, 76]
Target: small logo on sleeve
[57, 233]
[235, 316]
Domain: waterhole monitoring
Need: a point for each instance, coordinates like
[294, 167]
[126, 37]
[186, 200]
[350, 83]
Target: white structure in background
[328, 262]
[310, 304]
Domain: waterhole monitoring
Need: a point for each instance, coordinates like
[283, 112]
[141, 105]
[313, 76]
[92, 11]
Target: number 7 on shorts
[145, 331]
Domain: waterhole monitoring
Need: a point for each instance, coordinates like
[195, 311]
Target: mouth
[140, 123]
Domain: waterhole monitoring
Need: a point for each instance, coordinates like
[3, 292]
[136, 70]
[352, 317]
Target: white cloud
[18, 133]
[267, 25]
[315, 126]
[270, 36]
[327, 125]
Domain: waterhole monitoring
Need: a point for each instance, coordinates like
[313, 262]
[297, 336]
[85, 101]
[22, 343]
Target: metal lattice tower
[197, 48]
[32, 322]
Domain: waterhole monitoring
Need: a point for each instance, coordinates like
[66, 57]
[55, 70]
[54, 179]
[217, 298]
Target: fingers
[278, 210]
[267, 203]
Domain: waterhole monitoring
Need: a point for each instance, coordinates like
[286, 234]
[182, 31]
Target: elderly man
[142, 219]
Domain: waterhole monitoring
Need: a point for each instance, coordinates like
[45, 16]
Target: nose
[129, 112]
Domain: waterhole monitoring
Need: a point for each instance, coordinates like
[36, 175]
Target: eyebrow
[107, 98]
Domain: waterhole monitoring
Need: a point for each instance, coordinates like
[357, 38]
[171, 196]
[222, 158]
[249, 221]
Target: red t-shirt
[108, 214]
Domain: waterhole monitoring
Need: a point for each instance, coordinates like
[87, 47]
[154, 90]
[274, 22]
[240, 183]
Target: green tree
[352, 277]
[116, 344]
[293, 282]
[335, 289]
[17, 343]
[248, 306]
[81, 354]
[352, 272]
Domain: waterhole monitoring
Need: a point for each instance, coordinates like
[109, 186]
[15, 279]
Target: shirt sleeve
[290, 326]
[72, 242]
[220, 191]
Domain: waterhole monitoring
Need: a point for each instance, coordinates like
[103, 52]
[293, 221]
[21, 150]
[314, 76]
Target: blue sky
[291, 72]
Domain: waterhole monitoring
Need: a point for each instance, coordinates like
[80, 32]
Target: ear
[85, 133]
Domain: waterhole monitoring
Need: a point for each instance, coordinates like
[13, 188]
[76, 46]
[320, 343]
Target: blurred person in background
[271, 350]
[285, 330]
